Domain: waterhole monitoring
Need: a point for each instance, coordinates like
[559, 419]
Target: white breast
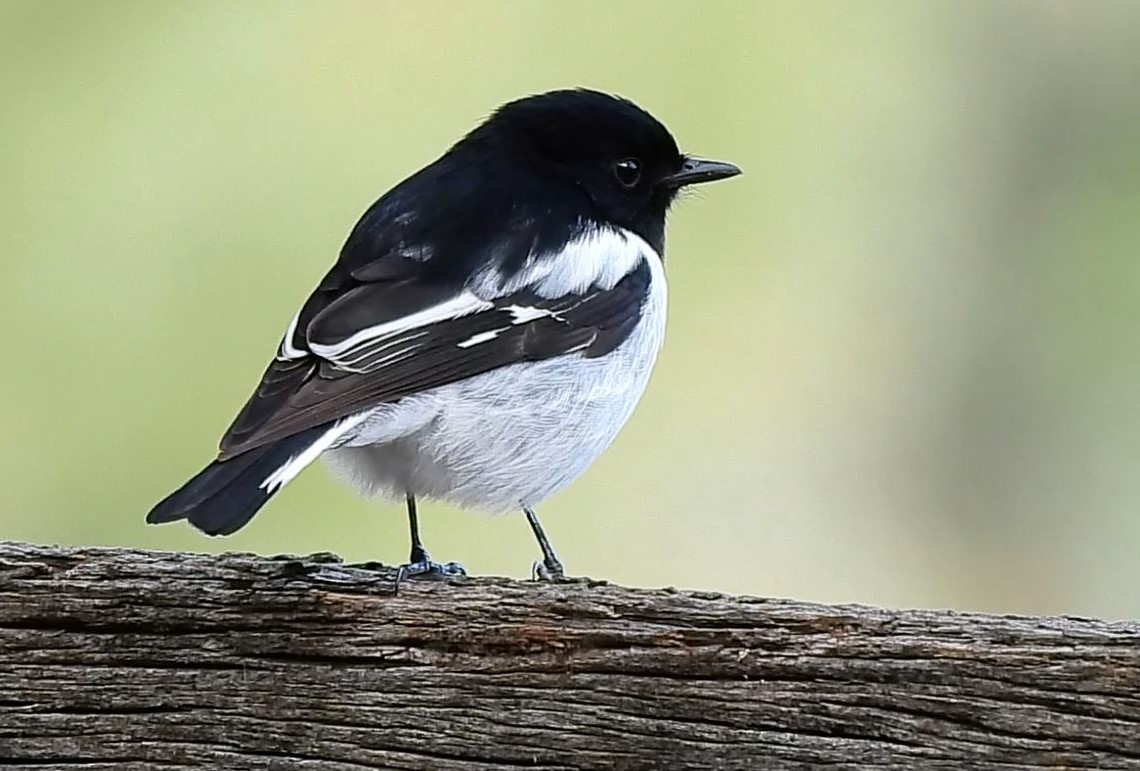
[509, 437]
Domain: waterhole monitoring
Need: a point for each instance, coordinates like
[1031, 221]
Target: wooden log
[117, 659]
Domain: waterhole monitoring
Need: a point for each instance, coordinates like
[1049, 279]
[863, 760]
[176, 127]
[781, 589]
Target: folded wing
[402, 333]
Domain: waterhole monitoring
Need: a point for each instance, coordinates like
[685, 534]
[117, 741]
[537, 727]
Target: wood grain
[117, 659]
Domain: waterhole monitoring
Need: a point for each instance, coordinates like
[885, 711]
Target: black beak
[696, 170]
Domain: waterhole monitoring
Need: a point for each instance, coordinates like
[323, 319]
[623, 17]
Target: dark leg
[418, 554]
[550, 569]
[419, 563]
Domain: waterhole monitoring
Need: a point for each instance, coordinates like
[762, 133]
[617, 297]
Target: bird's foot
[547, 570]
[425, 567]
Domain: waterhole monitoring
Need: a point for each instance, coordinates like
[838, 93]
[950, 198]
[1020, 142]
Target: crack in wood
[122, 660]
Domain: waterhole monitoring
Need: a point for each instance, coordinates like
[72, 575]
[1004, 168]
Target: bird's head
[599, 149]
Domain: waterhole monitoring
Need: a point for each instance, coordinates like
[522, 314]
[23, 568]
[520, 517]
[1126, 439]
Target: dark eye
[628, 172]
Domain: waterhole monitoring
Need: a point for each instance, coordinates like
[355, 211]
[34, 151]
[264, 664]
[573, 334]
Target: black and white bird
[490, 325]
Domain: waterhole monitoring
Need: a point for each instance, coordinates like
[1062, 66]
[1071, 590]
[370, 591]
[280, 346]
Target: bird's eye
[628, 172]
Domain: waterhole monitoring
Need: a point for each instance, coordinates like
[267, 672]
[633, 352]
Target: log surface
[117, 659]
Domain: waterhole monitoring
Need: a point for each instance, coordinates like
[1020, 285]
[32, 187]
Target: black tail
[225, 495]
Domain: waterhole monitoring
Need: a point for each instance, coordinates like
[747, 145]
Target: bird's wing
[391, 327]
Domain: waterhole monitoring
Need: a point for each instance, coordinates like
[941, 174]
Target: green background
[901, 365]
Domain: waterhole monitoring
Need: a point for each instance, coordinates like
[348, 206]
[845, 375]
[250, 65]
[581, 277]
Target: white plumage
[487, 329]
[515, 435]
[461, 305]
[297, 463]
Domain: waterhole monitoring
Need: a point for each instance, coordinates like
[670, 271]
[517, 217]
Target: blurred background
[901, 366]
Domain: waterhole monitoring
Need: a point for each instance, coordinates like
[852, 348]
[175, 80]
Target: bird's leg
[419, 563]
[550, 569]
[418, 553]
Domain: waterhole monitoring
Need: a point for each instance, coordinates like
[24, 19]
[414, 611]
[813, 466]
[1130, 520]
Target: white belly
[509, 437]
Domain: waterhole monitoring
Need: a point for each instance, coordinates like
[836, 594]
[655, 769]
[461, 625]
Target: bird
[489, 326]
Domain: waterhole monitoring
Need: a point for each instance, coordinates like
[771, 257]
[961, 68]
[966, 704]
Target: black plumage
[222, 497]
[296, 395]
[442, 280]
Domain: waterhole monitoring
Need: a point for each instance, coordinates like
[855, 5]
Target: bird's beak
[693, 171]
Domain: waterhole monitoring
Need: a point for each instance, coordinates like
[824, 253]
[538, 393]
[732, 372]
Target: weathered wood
[114, 659]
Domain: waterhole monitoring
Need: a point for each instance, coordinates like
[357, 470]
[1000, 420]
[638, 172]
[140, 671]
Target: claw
[542, 570]
[428, 568]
